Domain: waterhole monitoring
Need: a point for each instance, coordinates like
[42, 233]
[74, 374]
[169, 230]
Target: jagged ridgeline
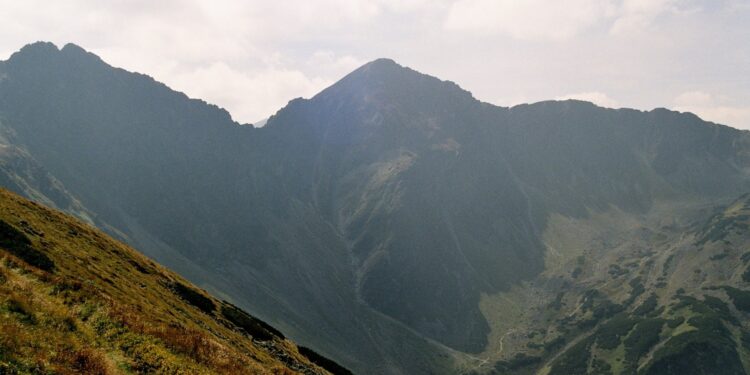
[73, 300]
[398, 225]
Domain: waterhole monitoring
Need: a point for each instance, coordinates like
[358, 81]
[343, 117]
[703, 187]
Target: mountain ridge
[391, 199]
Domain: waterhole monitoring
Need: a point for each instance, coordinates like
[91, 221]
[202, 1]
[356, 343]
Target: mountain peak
[74, 49]
[382, 64]
[40, 46]
[47, 53]
[384, 68]
[35, 50]
[385, 78]
[383, 60]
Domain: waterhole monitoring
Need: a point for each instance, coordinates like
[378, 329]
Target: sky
[252, 57]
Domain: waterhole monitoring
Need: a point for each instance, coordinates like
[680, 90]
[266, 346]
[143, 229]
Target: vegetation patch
[600, 306]
[746, 275]
[718, 256]
[254, 327]
[644, 336]
[709, 349]
[600, 367]
[576, 272]
[139, 267]
[575, 360]
[720, 226]
[647, 307]
[554, 344]
[636, 289]
[20, 309]
[615, 270]
[676, 322]
[323, 362]
[193, 297]
[718, 306]
[84, 361]
[710, 307]
[740, 298]
[609, 334]
[18, 244]
[557, 303]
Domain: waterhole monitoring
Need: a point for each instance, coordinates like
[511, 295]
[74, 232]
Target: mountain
[394, 222]
[177, 179]
[73, 300]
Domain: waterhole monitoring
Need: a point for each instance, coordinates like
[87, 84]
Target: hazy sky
[252, 57]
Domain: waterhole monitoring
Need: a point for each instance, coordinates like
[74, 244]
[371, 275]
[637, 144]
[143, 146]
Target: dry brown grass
[11, 335]
[83, 361]
[190, 342]
[282, 371]
[105, 307]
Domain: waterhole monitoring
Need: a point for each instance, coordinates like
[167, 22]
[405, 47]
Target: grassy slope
[101, 307]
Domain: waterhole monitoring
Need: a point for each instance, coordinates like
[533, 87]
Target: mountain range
[398, 225]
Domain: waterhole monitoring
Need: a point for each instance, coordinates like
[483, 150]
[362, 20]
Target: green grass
[73, 300]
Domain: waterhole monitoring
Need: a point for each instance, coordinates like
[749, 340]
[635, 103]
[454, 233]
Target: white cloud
[713, 108]
[338, 66]
[553, 20]
[531, 19]
[638, 15]
[251, 95]
[599, 98]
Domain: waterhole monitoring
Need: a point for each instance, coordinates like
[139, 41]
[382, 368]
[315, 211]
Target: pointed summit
[380, 91]
[385, 81]
[79, 55]
[73, 48]
[381, 66]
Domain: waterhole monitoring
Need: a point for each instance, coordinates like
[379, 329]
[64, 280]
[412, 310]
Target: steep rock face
[367, 218]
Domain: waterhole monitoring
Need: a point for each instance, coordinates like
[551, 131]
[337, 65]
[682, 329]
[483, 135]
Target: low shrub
[20, 309]
[644, 336]
[575, 360]
[740, 298]
[193, 297]
[84, 361]
[255, 327]
[647, 306]
[18, 244]
[331, 366]
[609, 334]
[676, 322]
